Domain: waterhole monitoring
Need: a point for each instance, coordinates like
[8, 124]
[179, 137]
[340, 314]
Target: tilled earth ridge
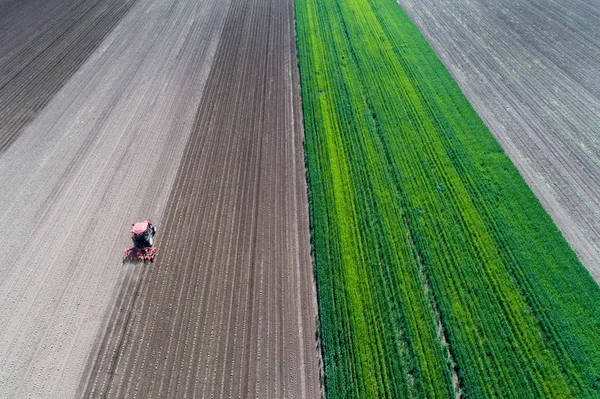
[102, 153]
[228, 309]
[532, 72]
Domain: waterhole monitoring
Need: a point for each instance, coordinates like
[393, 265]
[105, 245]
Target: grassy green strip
[418, 219]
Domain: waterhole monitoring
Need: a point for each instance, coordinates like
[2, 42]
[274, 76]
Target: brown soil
[186, 113]
[227, 309]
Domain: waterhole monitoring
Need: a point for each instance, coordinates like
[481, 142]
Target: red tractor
[142, 235]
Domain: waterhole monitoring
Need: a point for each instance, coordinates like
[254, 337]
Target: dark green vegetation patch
[437, 268]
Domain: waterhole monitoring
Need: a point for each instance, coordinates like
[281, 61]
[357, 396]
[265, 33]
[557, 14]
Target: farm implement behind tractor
[142, 235]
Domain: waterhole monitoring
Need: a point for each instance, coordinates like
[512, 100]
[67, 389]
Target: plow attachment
[139, 254]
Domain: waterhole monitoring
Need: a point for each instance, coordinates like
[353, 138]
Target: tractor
[142, 235]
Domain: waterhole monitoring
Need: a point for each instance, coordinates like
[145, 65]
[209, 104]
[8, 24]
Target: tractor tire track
[229, 307]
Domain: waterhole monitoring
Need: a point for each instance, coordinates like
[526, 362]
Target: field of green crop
[438, 271]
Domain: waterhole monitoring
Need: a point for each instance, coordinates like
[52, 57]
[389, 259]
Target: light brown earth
[184, 112]
[531, 69]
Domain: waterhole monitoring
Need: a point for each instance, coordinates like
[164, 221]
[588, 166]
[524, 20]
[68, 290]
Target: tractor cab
[143, 234]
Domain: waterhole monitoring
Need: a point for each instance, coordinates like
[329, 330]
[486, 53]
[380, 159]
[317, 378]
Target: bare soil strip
[101, 154]
[228, 308]
[531, 70]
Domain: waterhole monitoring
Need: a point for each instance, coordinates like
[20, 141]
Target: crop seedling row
[433, 258]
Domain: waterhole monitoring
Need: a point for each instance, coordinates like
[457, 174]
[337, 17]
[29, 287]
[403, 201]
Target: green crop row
[437, 269]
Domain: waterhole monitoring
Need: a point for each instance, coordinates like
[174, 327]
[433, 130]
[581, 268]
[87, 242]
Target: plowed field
[186, 113]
